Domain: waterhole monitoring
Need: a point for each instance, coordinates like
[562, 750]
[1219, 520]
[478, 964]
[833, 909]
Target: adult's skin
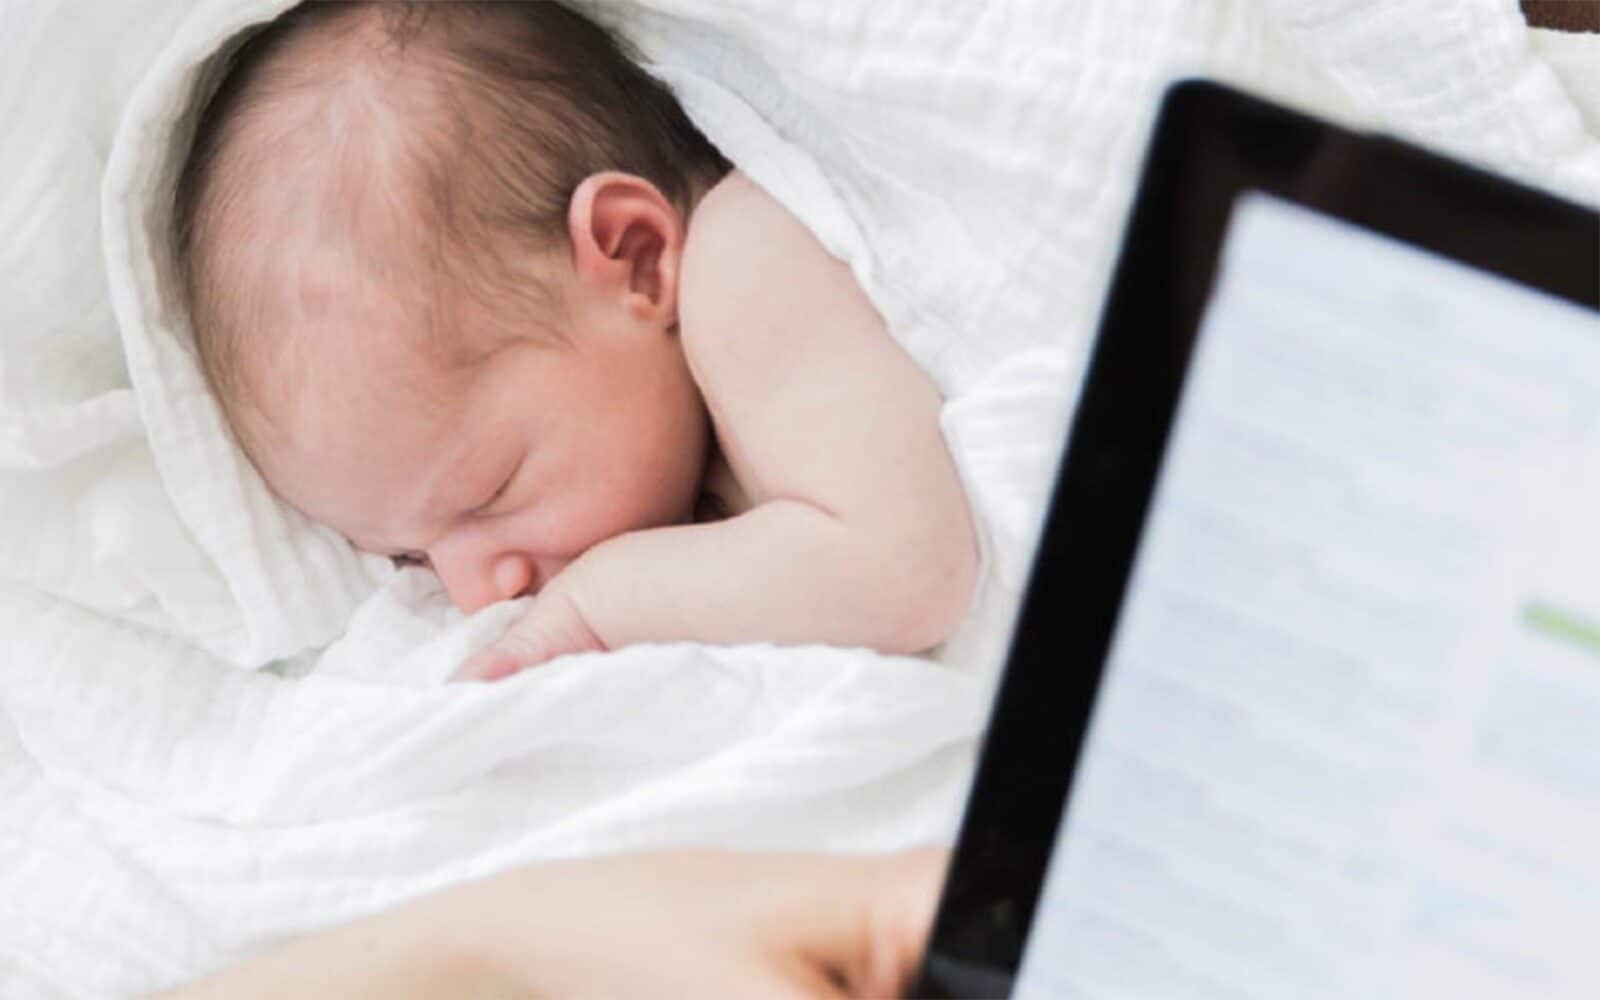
[691, 923]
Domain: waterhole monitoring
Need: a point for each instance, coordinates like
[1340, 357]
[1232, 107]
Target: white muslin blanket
[220, 725]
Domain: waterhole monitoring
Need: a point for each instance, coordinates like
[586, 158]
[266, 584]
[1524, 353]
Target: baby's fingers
[552, 628]
[491, 664]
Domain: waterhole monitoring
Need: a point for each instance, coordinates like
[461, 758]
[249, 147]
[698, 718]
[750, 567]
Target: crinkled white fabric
[1575, 58]
[164, 808]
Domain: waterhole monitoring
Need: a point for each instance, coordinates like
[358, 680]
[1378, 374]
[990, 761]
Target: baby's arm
[859, 532]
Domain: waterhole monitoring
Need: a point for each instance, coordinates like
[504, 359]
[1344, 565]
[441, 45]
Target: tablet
[1304, 695]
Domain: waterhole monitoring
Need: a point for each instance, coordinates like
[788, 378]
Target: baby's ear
[627, 239]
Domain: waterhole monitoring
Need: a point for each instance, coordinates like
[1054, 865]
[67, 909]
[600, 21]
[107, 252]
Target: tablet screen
[1347, 741]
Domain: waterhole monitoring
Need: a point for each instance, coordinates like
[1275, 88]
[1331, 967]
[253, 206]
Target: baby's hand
[552, 627]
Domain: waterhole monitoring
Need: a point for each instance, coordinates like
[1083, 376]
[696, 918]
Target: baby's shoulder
[751, 278]
[733, 205]
[739, 236]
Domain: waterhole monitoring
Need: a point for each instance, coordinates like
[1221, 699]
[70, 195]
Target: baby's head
[431, 255]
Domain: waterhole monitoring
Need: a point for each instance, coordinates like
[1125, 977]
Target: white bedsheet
[165, 804]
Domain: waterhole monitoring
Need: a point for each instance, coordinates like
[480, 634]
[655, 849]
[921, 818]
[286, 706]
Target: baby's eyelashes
[404, 559]
[486, 508]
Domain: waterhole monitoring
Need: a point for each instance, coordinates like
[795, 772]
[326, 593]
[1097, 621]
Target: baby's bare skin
[442, 326]
[854, 528]
[732, 357]
[848, 523]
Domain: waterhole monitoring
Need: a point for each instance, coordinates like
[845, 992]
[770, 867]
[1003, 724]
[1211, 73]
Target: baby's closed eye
[487, 508]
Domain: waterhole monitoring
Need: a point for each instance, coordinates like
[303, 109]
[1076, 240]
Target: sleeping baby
[473, 291]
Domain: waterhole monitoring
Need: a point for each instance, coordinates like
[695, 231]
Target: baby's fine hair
[496, 111]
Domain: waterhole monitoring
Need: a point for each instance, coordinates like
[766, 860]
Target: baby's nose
[476, 580]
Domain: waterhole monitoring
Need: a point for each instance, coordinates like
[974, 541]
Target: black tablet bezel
[1211, 143]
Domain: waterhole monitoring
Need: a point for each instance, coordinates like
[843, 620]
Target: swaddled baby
[473, 291]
